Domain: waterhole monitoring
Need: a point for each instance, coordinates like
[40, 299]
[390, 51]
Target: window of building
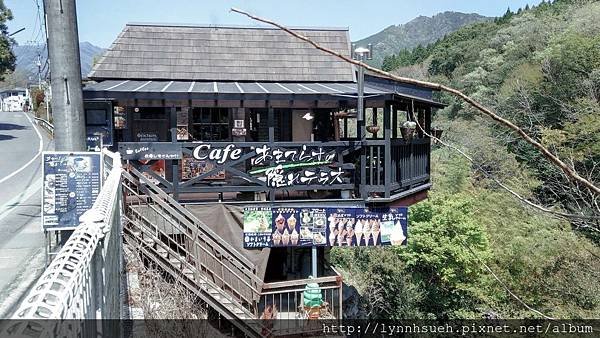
[210, 124]
[96, 117]
[150, 113]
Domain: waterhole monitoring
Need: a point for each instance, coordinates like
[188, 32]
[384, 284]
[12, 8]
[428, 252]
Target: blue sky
[101, 20]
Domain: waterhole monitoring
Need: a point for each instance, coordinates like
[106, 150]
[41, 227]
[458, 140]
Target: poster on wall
[182, 133]
[182, 125]
[257, 227]
[71, 184]
[306, 227]
[120, 119]
[192, 168]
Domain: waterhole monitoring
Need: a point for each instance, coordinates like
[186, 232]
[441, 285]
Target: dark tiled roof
[178, 90]
[219, 53]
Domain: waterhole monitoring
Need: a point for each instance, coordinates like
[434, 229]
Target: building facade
[222, 118]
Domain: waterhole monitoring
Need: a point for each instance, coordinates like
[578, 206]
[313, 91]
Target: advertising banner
[306, 227]
[71, 184]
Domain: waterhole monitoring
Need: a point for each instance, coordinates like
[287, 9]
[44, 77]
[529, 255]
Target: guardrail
[83, 281]
[45, 124]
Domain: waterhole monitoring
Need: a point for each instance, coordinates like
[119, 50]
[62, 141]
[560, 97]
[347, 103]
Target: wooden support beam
[271, 124]
[387, 135]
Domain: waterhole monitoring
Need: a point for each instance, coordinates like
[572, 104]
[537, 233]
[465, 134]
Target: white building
[13, 99]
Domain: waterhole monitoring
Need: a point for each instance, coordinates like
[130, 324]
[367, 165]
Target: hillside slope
[539, 68]
[422, 30]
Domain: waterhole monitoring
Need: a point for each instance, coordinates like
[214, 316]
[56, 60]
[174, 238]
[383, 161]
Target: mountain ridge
[27, 58]
[421, 30]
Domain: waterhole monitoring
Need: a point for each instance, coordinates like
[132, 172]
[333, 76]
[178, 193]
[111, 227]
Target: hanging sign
[71, 184]
[306, 227]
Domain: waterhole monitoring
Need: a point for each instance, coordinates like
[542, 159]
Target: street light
[361, 54]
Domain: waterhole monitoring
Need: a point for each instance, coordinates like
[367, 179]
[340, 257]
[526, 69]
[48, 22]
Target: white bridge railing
[83, 280]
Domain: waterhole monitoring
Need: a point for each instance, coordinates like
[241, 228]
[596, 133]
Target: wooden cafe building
[215, 118]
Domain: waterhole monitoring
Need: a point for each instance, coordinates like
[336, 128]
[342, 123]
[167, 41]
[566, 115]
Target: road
[22, 242]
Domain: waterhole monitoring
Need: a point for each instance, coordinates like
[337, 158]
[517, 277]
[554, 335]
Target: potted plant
[408, 130]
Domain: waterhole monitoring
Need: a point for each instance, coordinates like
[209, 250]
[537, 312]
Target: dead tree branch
[570, 172]
[523, 200]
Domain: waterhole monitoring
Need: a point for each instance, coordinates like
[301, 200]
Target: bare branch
[502, 185]
[570, 172]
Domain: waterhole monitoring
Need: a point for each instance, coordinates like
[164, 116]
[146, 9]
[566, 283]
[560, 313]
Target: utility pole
[39, 65]
[65, 70]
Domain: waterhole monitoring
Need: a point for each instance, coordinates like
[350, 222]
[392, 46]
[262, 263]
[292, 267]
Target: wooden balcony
[371, 170]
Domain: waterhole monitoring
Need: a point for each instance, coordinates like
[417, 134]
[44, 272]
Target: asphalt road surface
[22, 242]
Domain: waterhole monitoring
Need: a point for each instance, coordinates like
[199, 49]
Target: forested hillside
[540, 68]
[418, 32]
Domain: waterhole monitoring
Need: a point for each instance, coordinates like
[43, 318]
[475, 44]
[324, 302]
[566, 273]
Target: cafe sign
[280, 167]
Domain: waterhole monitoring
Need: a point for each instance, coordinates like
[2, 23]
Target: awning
[178, 90]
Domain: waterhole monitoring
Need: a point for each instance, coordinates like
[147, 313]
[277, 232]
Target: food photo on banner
[312, 226]
[258, 222]
[286, 231]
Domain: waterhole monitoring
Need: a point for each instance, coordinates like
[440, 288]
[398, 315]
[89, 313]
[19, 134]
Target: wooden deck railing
[401, 165]
[287, 298]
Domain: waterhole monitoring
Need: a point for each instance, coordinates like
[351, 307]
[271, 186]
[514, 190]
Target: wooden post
[421, 121]
[387, 134]
[174, 163]
[395, 121]
[411, 159]
[271, 124]
[363, 155]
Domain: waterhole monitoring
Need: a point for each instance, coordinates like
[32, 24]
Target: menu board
[71, 184]
[290, 227]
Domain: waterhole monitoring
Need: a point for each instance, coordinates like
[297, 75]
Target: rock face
[351, 303]
[422, 30]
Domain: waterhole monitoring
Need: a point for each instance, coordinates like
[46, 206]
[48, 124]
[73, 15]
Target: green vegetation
[539, 67]
[7, 58]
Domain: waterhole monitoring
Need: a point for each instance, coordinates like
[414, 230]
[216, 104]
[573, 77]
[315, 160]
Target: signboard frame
[333, 226]
[100, 155]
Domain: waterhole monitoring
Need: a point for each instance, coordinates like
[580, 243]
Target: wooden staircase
[180, 244]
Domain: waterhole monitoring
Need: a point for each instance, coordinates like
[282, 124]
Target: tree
[439, 253]
[7, 58]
